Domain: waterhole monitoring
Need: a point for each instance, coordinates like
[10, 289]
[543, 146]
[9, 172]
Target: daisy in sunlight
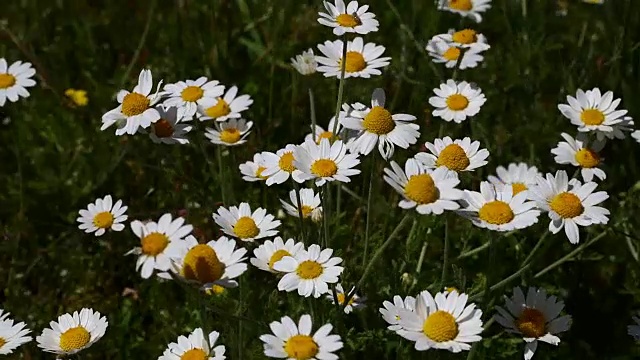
[457, 101]
[466, 8]
[279, 167]
[223, 108]
[73, 333]
[187, 95]
[456, 155]
[467, 38]
[356, 302]
[325, 162]
[12, 335]
[195, 346]
[309, 271]
[231, 133]
[14, 80]
[270, 252]
[252, 170]
[582, 153]
[102, 215]
[169, 129]
[518, 176]
[240, 222]
[449, 53]
[362, 60]
[296, 342]
[309, 201]
[348, 19]
[305, 63]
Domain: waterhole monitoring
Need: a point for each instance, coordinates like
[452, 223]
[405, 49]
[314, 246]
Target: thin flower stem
[296, 188]
[323, 202]
[570, 255]
[141, 42]
[221, 174]
[502, 282]
[343, 66]
[203, 311]
[368, 221]
[312, 106]
[445, 255]
[457, 67]
[474, 251]
[535, 248]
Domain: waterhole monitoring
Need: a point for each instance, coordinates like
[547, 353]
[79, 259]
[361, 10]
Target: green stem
[503, 282]
[143, 39]
[474, 251]
[570, 255]
[368, 221]
[312, 106]
[445, 255]
[343, 64]
[323, 201]
[296, 188]
[535, 248]
[221, 175]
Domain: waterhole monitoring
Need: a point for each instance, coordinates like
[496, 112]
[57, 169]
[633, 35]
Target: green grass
[54, 161]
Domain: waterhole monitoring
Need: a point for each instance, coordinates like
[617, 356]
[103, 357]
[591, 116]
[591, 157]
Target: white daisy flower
[186, 96]
[356, 302]
[458, 155]
[102, 215]
[636, 135]
[634, 330]
[449, 54]
[467, 38]
[394, 312]
[154, 240]
[296, 342]
[519, 177]
[535, 318]
[136, 108]
[309, 271]
[378, 126]
[224, 108]
[348, 19]
[73, 333]
[325, 162]
[467, 8]
[195, 347]
[270, 252]
[309, 201]
[252, 170]
[498, 209]
[12, 335]
[361, 60]
[241, 223]
[217, 262]
[14, 80]
[231, 133]
[582, 153]
[305, 63]
[591, 111]
[457, 101]
[569, 203]
[169, 129]
[280, 166]
[446, 322]
[321, 133]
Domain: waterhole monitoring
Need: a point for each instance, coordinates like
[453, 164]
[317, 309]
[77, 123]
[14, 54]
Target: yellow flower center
[134, 104]
[246, 228]
[230, 135]
[462, 5]
[531, 323]
[192, 93]
[325, 135]
[163, 128]
[421, 189]
[355, 62]
[587, 158]
[496, 212]
[378, 121]
[306, 211]
[517, 188]
[324, 168]
[567, 205]
[309, 269]
[74, 339]
[103, 220]
[347, 20]
[202, 264]
[466, 36]
[7, 81]
[453, 157]
[440, 326]
[301, 347]
[2, 342]
[286, 162]
[277, 256]
[221, 108]
[154, 243]
[452, 54]
[194, 354]
[259, 172]
[452, 289]
[592, 117]
[341, 299]
[457, 102]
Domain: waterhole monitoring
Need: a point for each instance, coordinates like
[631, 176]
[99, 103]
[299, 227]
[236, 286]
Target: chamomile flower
[394, 312]
[305, 63]
[348, 19]
[592, 111]
[169, 129]
[136, 108]
[467, 8]
[230, 106]
[295, 342]
[154, 240]
[280, 166]
[270, 252]
[449, 53]
[581, 153]
[321, 133]
[362, 60]
[231, 133]
[498, 209]
[569, 203]
[252, 170]
[12, 335]
[187, 95]
[325, 162]
[445, 323]
[102, 215]
[518, 177]
[73, 333]
[467, 38]
[240, 222]
[195, 346]
[535, 318]
[14, 80]
[634, 330]
[458, 155]
[309, 201]
[217, 262]
[457, 101]
[356, 302]
[309, 271]
[378, 126]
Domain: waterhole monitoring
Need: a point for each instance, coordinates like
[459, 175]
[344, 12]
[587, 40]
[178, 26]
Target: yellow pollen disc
[457, 102]
[496, 212]
[74, 339]
[202, 264]
[355, 62]
[452, 54]
[192, 93]
[230, 135]
[306, 211]
[466, 36]
[286, 162]
[324, 135]
[163, 128]
[217, 289]
[277, 256]
[259, 172]
[246, 228]
[531, 323]
[154, 243]
[379, 121]
[517, 188]
[103, 220]
[324, 168]
[567, 205]
[221, 108]
[7, 81]
[2, 342]
[421, 189]
[134, 104]
[440, 326]
[592, 117]
[347, 20]
[309, 270]
[341, 298]
[301, 347]
[194, 354]
[452, 289]
[587, 158]
[462, 5]
[453, 157]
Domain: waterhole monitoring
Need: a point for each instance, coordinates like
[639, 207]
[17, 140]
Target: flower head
[187, 95]
[355, 302]
[449, 53]
[253, 170]
[169, 129]
[73, 333]
[240, 222]
[309, 203]
[309, 271]
[12, 335]
[457, 101]
[230, 133]
[394, 312]
[325, 162]
[582, 153]
[280, 166]
[14, 80]
[295, 342]
[270, 252]
[230, 106]
[305, 63]
[466, 38]
[456, 155]
[102, 215]
[519, 177]
[195, 347]
[362, 60]
[467, 8]
[348, 19]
